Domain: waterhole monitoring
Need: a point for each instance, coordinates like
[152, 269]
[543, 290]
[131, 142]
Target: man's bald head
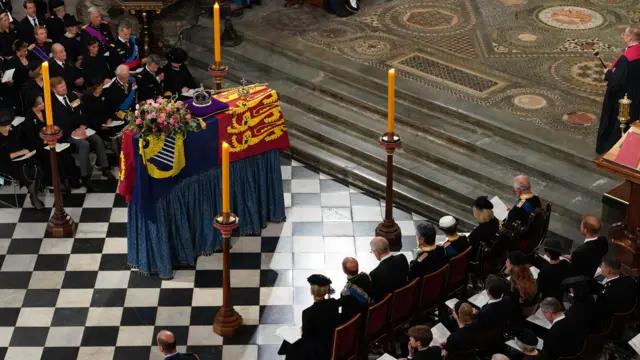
[590, 226]
[166, 342]
[350, 266]
[521, 185]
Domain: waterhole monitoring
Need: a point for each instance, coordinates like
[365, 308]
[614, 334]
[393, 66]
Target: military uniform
[105, 38]
[115, 95]
[429, 259]
[523, 208]
[122, 51]
[618, 295]
[37, 51]
[149, 86]
[456, 246]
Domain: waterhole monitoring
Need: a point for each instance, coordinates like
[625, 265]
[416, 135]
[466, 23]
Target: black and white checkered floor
[76, 299]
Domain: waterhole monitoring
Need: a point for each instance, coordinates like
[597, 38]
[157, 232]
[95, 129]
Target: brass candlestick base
[227, 321]
[388, 228]
[60, 224]
[623, 112]
[218, 71]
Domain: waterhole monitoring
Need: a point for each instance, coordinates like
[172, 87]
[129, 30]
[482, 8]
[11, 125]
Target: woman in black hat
[488, 225]
[318, 323]
[26, 171]
[94, 64]
[71, 39]
[177, 77]
[583, 307]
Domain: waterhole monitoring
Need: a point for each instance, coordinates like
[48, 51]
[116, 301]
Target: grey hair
[522, 183]
[38, 101]
[499, 357]
[94, 9]
[120, 69]
[380, 245]
[56, 46]
[154, 59]
[551, 305]
[124, 25]
[525, 348]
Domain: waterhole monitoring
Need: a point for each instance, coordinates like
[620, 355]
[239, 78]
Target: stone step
[530, 161]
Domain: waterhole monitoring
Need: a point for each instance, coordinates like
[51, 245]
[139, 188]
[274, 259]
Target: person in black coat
[618, 294]
[420, 338]
[587, 257]
[527, 343]
[497, 313]
[583, 307]
[355, 297]
[429, 256]
[33, 87]
[465, 337]
[177, 77]
[27, 26]
[392, 271]
[94, 103]
[68, 115]
[71, 40]
[60, 66]
[149, 80]
[318, 324]
[527, 202]
[67, 169]
[94, 64]
[55, 22]
[552, 274]
[456, 243]
[488, 226]
[565, 338]
[8, 35]
[27, 172]
[20, 63]
[98, 29]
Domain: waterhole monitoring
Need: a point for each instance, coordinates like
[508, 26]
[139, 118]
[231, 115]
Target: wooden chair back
[378, 323]
[458, 274]
[431, 289]
[346, 340]
[404, 304]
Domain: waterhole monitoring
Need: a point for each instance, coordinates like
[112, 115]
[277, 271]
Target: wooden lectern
[624, 160]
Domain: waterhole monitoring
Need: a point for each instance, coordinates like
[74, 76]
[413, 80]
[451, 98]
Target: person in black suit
[465, 337]
[527, 202]
[61, 67]
[420, 338]
[429, 256]
[355, 297]
[456, 243]
[497, 313]
[8, 35]
[149, 81]
[618, 294]
[28, 25]
[392, 271]
[318, 324]
[125, 49]
[67, 113]
[98, 29]
[71, 40]
[167, 344]
[93, 102]
[20, 63]
[488, 225]
[588, 256]
[41, 49]
[583, 306]
[552, 274]
[94, 64]
[565, 338]
[55, 22]
[33, 87]
[121, 94]
[177, 77]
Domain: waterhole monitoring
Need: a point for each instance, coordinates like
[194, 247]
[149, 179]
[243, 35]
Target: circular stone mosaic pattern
[579, 118]
[570, 18]
[584, 75]
[426, 19]
[529, 101]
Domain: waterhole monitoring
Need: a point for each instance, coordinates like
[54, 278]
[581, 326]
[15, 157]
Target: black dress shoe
[89, 184]
[36, 202]
[107, 173]
[74, 183]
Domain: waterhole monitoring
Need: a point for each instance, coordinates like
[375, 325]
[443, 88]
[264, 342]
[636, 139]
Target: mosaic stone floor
[76, 299]
[532, 58]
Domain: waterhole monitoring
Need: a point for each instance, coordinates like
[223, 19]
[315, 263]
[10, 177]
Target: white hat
[447, 222]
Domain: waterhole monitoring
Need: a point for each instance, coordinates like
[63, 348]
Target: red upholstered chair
[404, 305]
[458, 273]
[431, 289]
[378, 323]
[595, 345]
[346, 339]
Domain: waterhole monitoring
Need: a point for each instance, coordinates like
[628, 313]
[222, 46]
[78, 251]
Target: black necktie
[67, 103]
[35, 22]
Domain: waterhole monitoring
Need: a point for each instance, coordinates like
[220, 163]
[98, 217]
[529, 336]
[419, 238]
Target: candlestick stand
[227, 321]
[388, 228]
[60, 224]
[218, 71]
[230, 36]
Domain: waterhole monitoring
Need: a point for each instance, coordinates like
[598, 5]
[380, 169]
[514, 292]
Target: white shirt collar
[175, 353]
[558, 319]
[491, 301]
[123, 40]
[61, 98]
[607, 280]
[386, 256]
[59, 62]
[146, 67]
[591, 239]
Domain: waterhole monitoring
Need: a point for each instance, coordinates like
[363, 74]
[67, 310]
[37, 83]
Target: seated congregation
[426, 309]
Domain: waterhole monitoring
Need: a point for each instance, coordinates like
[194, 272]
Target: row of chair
[406, 305]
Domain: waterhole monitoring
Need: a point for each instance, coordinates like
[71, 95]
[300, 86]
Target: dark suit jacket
[96, 67]
[430, 353]
[72, 46]
[427, 262]
[463, 339]
[389, 275]
[181, 356]
[67, 119]
[115, 95]
[564, 339]
[495, 315]
[55, 28]
[551, 276]
[318, 324]
[25, 29]
[617, 296]
[148, 85]
[175, 80]
[588, 256]
[69, 73]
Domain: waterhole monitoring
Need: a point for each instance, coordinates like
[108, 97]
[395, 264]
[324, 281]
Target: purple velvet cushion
[215, 107]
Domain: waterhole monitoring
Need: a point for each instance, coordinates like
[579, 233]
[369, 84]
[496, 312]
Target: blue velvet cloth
[183, 229]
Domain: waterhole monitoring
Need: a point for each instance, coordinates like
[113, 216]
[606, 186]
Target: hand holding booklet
[8, 75]
[440, 334]
[289, 334]
[499, 208]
